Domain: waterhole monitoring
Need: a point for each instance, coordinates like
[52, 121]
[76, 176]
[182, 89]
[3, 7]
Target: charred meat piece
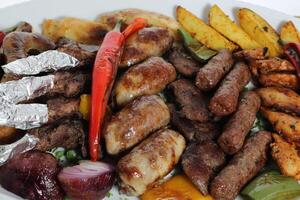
[149, 77]
[242, 167]
[240, 123]
[67, 133]
[183, 62]
[251, 54]
[279, 80]
[135, 122]
[61, 107]
[193, 130]
[144, 44]
[225, 100]
[86, 58]
[152, 159]
[201, 161]
[192, 102]
[9, 77]
[32, 175]
[24, 27]
[209, 76]
[271, 65]
[68, 84]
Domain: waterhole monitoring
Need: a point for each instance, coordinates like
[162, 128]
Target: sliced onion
[88, 180]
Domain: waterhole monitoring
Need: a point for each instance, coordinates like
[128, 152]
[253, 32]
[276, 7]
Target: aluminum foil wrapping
[26, 143]
[51, 60]
[24, 116]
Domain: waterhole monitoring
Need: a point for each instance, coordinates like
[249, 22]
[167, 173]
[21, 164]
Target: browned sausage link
[209, 76]
[201, 161]
[192, 101]
[242, 168]
[236, 129]
[62, 107]
[225, 100]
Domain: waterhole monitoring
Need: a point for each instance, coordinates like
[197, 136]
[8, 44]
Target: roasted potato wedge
[281, 99]
[283, 123]
[270, 66]
[80, 30]
[279, 80]
[289, 33]
[260, 30]
[7, 134]
[286, 157]
[127, 15]
[224, 25]
[202, 32]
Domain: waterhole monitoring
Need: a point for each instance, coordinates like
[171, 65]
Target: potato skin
[223, 24]
[260, 30]
[285, 124]
[282, 99]
[148, 77]
[203, 32]
[286, 157]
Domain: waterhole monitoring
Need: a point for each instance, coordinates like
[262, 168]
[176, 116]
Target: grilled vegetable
[292, 52]
[178, 187]
[223, 24]
[289, 33]
[260, 30]
[88, 180]
[85, 106]
[286, 156]
[202, 32]
[197, 50]
[272, 186]
[127, 15]
[283, 123]
[282, 99]
[80, 30]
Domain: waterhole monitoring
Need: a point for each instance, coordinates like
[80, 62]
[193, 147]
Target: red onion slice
[88, 180]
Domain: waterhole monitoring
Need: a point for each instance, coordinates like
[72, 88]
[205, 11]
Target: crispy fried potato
[281, 99]
[283, 123]
[202, 32]
[251, 54]
[260, 30]
[224, 25]
[279, 80]
[127, 15]
[7, 134]
[286, 157]
[271, 65]
[289, 33]
[80, 30]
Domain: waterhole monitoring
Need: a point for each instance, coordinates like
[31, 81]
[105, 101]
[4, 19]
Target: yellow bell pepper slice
[84, 106]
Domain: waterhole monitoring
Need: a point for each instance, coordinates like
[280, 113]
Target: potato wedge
[127, 15]
[80, 30]
[283, 123]
[202, 32]
[281, 99]
[286, 157]
[271, 65]
[289, 33]
[224, 25]
[260, 30]
[279, 80]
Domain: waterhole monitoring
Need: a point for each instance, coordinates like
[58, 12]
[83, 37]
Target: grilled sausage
[152, 159]
[242, 168]
[237, 128]
[147, 42]
[149, 77]
[201, 161]
[135, 122]
[251, 54]
[209, 76]
[192, 101]
[225, 100]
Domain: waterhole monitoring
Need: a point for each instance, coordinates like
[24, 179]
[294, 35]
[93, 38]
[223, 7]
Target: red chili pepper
[104, 72]
[292, 52]
[2, 35]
